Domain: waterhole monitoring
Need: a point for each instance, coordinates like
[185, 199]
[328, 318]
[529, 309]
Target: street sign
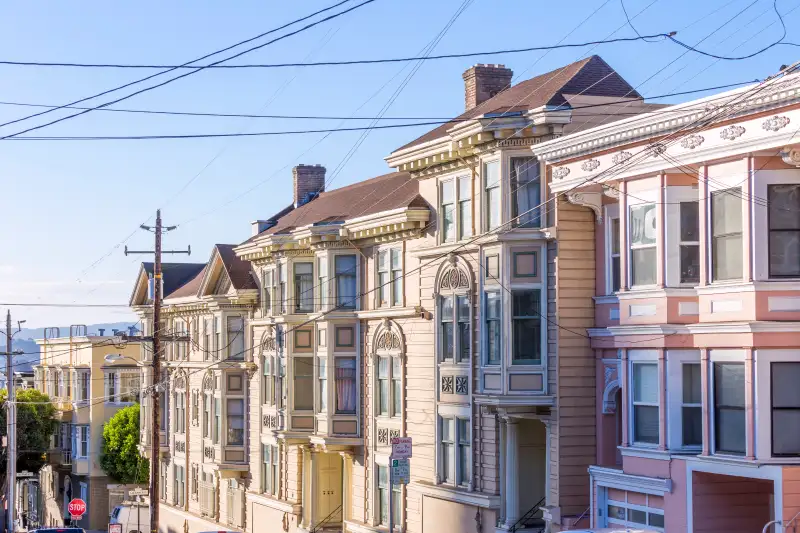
[137, 492]
[401, 471]
[25, 473]
[401, 447]
[76, 508]
[114, 528]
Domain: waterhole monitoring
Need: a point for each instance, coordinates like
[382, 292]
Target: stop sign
[76, 507]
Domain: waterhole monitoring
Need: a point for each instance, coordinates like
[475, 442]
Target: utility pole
[11, 429]
[155, 436]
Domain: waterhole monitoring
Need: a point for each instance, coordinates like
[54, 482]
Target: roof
[591, 76]
[176, 275]
[191, 287]
[238, 269]
[382, 193]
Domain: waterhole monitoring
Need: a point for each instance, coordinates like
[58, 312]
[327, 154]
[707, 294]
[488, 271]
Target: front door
[330, 492]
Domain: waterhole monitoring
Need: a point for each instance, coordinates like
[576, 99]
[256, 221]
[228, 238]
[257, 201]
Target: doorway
[329, 494]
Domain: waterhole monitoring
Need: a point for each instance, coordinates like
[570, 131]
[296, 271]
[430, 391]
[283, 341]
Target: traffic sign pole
[391, 499]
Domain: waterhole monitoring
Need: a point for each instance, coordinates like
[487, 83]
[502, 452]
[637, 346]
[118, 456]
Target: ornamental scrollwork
[732, 132]
[388, 340]
[462, 386]
[775, 123]
[454, 278]
[447, 384]
[621, 157]
[590, 165]
[692, 141]
[561, 173]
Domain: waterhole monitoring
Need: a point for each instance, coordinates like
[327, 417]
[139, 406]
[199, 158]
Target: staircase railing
[527, 517]
[327, 519]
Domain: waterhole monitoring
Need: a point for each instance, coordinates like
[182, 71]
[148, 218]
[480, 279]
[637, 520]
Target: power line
[663, 37]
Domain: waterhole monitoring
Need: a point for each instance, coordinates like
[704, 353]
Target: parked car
[59, 530]
[613, 530]
[133, 516]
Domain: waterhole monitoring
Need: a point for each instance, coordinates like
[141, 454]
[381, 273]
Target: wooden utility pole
[11, 428]
[155, 437]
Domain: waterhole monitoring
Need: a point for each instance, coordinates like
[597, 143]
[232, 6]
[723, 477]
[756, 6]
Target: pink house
[697, 308]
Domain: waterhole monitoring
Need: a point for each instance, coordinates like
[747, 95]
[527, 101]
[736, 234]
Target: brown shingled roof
[383, 193]
[189, 288]
[238, 270]
[591, 76]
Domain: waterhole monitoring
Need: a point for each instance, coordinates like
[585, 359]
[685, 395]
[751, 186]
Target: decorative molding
[592, 200]
[462, 385]
[447, 384]
[610, 191]
[269, 421]
[383, 436]
[656, 149]
[394, 434]
[732, 132]
[560, 173]
[454, 278]
[208, 452]
[775, 123]
[621, 157]
[791, 156]
[614, 478]
[692, 141]
[388, 340]
[590, 165]
[611, 373]
[180, 446]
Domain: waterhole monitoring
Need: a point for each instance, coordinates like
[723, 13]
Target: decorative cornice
[615, 478]
[590, 165]
[732, 132]
[560, 172]
[592, 200]
[775, 123]
[692, 141]
[621, 157]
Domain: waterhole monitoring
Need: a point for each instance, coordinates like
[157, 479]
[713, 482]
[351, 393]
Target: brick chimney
[309, 180]
[481, 82]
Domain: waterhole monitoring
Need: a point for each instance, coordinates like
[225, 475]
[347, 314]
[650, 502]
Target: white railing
[208, 499]
[236, 507]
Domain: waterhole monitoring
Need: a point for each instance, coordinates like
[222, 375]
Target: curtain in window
[345, 385]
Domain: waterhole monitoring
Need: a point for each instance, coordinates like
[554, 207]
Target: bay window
[692, 405]
[235, 338]
[491, 186]
[525, 192]
[785, 408]
[346, 391]
[455, 450]
[784, 230]
[447, 210]
[729, 408]
[726, 234]
[645, 403]
[464, 207]
[383, 497]
[303, 383]
[323, 384]
[492, 319]
[526, 327]
[345, 266]
[303, 287]
[690, 242]
[614, 255]
[235, 419]
[643, 256]
[129, 386]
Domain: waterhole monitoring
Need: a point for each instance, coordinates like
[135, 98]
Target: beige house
[377, 311]
[89, 377]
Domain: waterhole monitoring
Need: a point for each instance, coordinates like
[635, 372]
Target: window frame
[392, 378]
[450, 182]
[713, 238]
[393, 284]
[308, 380]
[382, 493]
[714, 413]
[632, 247]
[454, 447]
[689, 405]
[463, 226]
[487, 191]
[612, 214]
[772, 408]
[538, 318]
[617, 523]
[534, 213]
[652, 360]
[299, 295]
[336, 360]
[455, 319]
[770, 231]
[354, 305]
[682, 243]
[498, 320]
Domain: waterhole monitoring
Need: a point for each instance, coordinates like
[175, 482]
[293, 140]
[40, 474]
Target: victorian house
[691, 263]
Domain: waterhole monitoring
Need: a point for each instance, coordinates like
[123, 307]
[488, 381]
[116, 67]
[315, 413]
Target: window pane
[493, 335]
[643, 225]
[447, 192]
[447, 340]
[383, 264]
[645, 424]
[345, 266]
[397, 287]
[493, 207]
[637, 517]
[447, 463]
[493, 304]
[616, 274]
[730, 430]
[383, 284]
[395, 259]
[526, 303]
[643, 266]
[692, 426]
[784, 253]
[692, 384]
[729, 384]
[726, 212]
[785, 381]
[345, 385]
[727, 257]
[527, 341]
[525, 190]
[784, 206]
[786, 431]
[492, 171]
[645, 383]
[690, 221]
[448, 222]
[236, 422]
[397, 395]
[614, 235]
[465, 218]
[656, 520]
[690, 263]
[447, 430]
[303, 386]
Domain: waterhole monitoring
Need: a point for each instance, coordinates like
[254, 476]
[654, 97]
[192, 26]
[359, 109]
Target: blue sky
[67, 204]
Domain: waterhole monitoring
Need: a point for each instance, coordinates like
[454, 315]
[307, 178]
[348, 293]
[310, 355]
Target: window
[82, 385]
[323, 385]
[266, 292]
[526, 327]
[235, 419]
[82, 441]
[179, 425]
[84, 491]
[726, 234]
[195, 479]
[281, 271]
[616, 267]
[111, 386]
[270, 462]
[268, 382]
[207, 332]
[383, 497]
[346, 385]
[129, 386]
[492, 319]
[492, 267]
[455, 328]
[390, 278]
[207, 416]
[463, 451]
[345, 266]
[447, 210]
[635, 515]
[464, 207]
[164, 467]
[345, 336]
[303, 383]
[525, 192]
[784, 230]
[217, 420]
[383, 386]
[304, 287]
[390, 394]
[690, 242]
[179, 486]
[455, 450]
[645, 403]
[729, 409]
[236, 338]
[397, 387]
[446, 328]
[643, 245]
[692, 406]
[195, 407]
[322, 273]
[491, 185]
[785, 409]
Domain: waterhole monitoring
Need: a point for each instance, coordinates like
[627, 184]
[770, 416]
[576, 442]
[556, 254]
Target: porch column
[749, 405]
[312, 483]
[706, 409]
[623, 385]
[512, 471]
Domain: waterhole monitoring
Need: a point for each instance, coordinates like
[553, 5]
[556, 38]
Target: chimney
[482, 82]
[101, 330]
[309, 181]
[261, 225]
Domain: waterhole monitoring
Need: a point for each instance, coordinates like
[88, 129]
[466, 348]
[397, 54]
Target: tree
[119, 457]
[35, 426]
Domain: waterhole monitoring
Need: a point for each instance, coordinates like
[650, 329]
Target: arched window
[210, 413]
[179, 405]
[388, 353]
[454, 303]
[268, 367]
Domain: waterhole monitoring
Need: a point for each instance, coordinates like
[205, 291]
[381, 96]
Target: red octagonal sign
[77, 507]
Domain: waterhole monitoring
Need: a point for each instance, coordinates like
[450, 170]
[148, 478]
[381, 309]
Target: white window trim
[611, 212]
[675, 359]
[454, 294]
[613, 522]
[484, 196]
[632, 247]
[742, 186]
[763, 400]
[485, 330]
[454, 416]
[116, 375]
[634, 357]
[389, 272]
[335, 281]
[720, 356]
[760, 220]
[458, 234]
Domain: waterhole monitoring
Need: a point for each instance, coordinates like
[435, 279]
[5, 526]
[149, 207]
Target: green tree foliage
[120, 458]
[35, 426]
